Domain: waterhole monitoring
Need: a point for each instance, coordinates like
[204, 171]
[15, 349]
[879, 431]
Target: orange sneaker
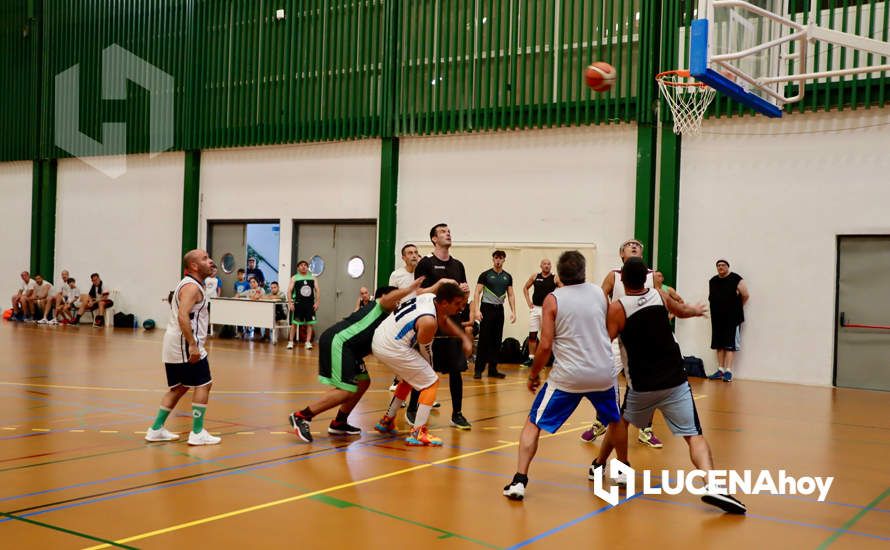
[422, 437]
[386, 426]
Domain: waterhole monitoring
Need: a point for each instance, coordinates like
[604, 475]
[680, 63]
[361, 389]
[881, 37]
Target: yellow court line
[77, 431]
[40, 429]
[304, 496]
[697, 397]
[108, 431]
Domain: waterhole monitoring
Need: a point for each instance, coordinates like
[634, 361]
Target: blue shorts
[553, 407]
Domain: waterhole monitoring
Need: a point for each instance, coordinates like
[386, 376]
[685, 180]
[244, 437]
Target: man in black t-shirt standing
[727, 295]
[448, 357]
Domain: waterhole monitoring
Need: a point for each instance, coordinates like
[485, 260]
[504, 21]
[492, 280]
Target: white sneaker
[515, 491]
[53, 322]
[203, 438]
[308, 345]
[162, 434]
[393, 387]
[620, 479]
[42, 322]
[290, 345]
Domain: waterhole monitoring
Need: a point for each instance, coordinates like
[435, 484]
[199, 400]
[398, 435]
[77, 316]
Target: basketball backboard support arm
[721, 70]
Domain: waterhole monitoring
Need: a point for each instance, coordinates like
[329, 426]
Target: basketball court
[341, 131]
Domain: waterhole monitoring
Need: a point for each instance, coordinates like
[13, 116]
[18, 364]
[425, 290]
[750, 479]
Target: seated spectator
[20, 298]
[364, 298]
[241, 284]
[95, 299]
[254, 271]
[70, 303]
[40, 297]
[213, 284]
[277, 295]
[255, 292]
[55, 298]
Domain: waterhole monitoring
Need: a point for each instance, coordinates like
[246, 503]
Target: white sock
[423, 415]
[394, 406]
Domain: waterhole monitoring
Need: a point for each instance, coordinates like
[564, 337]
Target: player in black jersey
[448, 357]
[655, 375]
[544, 283]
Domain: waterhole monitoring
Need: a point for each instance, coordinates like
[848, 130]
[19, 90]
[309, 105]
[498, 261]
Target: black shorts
[338, 366]
[190, 375]
[448, 355]
[304, 313]
[95, 306]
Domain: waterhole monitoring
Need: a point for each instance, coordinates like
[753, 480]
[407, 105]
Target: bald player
[183, 353]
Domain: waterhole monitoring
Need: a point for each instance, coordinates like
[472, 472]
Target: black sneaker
[301, 427]
[343, 429]
[436, 405]
[591, 472]
[725, 502]
[410, 416]
[497, 375]
[459, 422]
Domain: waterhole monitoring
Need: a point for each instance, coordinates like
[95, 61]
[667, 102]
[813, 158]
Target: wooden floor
[75, 472]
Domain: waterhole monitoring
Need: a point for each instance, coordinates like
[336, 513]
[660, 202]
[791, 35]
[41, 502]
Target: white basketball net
[687, 99]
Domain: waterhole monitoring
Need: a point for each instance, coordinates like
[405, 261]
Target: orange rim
[678, 73]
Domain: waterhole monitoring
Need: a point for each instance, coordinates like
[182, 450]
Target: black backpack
[694, 367]
[511, 351]
[124, 320]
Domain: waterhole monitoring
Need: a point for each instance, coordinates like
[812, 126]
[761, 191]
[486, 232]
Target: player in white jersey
[416, 322]
[614, 288]
[183, 353]
[573, 326]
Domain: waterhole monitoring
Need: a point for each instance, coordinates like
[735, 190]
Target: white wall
[573, 185]
[129, 229]
[325, 181]
[15, 239]
[771, 196]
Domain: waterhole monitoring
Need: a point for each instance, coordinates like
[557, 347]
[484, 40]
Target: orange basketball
[600, 76]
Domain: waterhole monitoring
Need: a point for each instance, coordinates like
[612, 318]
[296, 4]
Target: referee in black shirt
[448, 357]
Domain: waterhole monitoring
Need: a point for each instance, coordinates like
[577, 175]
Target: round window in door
[316, 265]
[355, 267]
[228, 262]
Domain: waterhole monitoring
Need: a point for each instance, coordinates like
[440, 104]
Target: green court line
[852, 521]
[343, 504]
[68, 531]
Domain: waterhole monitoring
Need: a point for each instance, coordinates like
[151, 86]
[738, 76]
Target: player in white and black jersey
[656, 379]
[404, 343]
[183, 352]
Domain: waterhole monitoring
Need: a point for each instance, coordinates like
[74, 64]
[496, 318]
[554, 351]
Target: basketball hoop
[687, 98]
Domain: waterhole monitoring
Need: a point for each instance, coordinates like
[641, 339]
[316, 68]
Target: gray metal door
[329, 248]
[228, 242]
[863, 328]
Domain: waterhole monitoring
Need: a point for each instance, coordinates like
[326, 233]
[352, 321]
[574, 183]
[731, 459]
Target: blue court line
[161, 485]
[775, 519]
[145, 472]
[648, 498]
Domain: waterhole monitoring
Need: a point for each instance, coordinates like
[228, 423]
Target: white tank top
[581, 342]
[618, 288]
[398, 330]
[176, 348]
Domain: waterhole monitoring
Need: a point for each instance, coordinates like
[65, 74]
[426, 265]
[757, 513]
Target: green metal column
[669, 204]
[386, 219]
[644, 211]
[647, 125]
[389, 150]
[35, 216]
[191, 198]
[43, 218]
